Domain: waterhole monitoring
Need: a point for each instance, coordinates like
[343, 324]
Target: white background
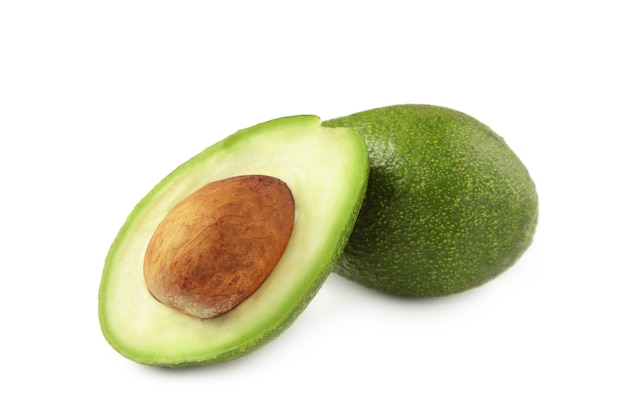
[100, 100]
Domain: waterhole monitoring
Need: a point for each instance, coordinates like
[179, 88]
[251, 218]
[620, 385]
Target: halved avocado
[326, 170]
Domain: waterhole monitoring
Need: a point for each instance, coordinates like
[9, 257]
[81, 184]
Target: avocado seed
[217, 246]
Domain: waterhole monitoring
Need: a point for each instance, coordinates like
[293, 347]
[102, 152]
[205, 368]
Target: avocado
[325, 171]
[449, 205]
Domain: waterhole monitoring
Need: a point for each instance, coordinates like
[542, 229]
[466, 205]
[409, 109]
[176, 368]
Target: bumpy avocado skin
[449, 206]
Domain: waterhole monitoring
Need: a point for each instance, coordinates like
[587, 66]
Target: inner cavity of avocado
[217, 246]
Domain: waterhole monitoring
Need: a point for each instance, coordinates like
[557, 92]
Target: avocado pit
[217, 246]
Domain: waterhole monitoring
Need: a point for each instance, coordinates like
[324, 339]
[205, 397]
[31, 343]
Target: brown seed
[217, 246]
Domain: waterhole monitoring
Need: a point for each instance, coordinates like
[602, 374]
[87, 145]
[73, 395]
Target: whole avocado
[449, 206]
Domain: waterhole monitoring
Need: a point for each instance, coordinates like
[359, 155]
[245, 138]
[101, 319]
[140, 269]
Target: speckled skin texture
[449, 206]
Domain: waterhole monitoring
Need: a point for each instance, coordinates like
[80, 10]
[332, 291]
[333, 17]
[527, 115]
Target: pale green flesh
[326, 171]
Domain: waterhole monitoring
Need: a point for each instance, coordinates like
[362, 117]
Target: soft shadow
[347, 288]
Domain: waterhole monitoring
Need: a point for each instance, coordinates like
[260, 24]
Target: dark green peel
[449, 206]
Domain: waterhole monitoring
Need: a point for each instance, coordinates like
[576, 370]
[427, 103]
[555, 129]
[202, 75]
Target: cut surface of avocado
[326, 170]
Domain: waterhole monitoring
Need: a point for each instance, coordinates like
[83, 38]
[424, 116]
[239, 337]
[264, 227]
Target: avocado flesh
[325, 169]
[449, 206]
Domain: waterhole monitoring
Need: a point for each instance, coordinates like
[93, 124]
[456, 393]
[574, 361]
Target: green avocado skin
[449, 206]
